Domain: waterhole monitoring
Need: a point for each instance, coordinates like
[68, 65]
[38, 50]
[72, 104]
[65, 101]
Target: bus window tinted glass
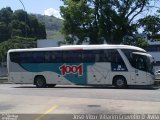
[88, 56]
[38, 57]
[128, 54]
[14, 57]
[114, 56]
[140, 62]
[53, 56]
[107, 55]
[25, 57]
[72, 56]
[94, 56]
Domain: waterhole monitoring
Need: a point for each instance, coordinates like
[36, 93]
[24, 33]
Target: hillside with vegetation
[53, 26]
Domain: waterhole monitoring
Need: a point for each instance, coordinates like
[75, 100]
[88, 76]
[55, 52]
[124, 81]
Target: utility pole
[25, 18]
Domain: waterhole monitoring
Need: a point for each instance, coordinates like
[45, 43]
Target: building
[47, 43]
[154, 50]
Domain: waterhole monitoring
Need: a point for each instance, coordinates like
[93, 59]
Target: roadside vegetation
[111, 21]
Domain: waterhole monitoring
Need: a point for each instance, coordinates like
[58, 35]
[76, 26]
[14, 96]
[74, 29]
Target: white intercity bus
[118, 65]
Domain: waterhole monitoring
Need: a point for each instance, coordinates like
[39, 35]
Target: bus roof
[80, 47]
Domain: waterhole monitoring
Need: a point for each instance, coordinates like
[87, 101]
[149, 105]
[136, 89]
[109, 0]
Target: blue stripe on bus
[74, 78]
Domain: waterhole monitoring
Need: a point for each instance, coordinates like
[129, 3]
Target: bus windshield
[142, 61]
[150, 64]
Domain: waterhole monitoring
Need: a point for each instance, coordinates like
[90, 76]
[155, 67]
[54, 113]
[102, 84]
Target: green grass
[54, 35]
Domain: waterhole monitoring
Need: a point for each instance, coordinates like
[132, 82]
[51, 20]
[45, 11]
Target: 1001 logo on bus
[71, 69]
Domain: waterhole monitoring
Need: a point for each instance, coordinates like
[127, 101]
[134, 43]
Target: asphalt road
[40, 102]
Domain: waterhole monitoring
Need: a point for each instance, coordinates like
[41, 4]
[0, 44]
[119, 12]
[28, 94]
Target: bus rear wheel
[40, 82]
[120, 82]
[51, 85]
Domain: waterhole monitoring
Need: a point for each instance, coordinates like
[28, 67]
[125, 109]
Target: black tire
[120, 82]
[40, 82]
[51, 85]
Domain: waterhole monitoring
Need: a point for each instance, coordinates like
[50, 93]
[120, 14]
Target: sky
[44, 7]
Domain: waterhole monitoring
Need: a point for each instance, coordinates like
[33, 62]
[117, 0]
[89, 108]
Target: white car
[157, 74]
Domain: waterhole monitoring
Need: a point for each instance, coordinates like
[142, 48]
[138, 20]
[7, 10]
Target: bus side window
[56, 56]
[105, 56]
[53, 56]
[100, 56]
[38, 57]
[24, 57]
[14, 57]
[66, 56]
[114, 57]
[47, 56]
[96, 55]
[72, 56]
[88, 56]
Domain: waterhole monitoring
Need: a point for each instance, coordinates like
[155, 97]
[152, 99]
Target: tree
[151, 26]
[29, 24]
[5, 19]
[19, 28]
[6, 15]
[36, 28]
[21, 24]
[77, 19]
[15, 43]
[97, 21]
[20, 15]
[135, 40]
[3, 32]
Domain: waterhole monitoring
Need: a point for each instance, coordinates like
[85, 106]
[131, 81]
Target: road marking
[45, 113]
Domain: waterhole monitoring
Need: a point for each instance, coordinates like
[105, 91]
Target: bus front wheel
[119, 82]
[40, 82]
